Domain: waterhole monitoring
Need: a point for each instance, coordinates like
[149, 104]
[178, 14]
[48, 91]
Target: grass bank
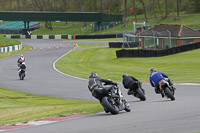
[7, 42]
[182, 67]
[20, 107]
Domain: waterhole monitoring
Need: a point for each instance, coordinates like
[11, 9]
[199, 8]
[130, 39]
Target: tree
[177, 5]
[153, 5]
[159, 7]
[65, 5]
[125, 13]
[166, 9]
[144, 9]
[135, 10]
[101, 6]
[196, 5]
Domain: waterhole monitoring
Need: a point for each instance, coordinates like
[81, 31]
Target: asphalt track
[156, 115]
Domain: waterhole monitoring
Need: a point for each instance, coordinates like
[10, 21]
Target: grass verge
[93, 45]
[20, 107]
[7, 42]
[25, 48]
[182, 67]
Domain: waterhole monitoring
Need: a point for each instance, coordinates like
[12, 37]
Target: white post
[169, 38]
[134, 27]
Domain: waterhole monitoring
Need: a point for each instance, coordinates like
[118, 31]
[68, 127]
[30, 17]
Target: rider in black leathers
[130, 83]
[95, 85]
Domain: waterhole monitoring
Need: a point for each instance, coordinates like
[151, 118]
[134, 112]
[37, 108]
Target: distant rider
[130, 83]
[156, 77]
[21, 59]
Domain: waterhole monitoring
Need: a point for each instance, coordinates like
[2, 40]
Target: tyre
[107, 103]
[169, 94]
[21, 76]
[140, 94]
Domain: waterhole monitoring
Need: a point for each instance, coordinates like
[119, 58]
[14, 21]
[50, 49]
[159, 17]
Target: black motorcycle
[21, 74]
[113, 101]
[137, 91]
[166, 89]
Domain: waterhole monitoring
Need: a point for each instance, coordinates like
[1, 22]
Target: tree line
[155, 8]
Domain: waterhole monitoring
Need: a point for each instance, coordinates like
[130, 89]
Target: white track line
[86, 79]
[62, 72]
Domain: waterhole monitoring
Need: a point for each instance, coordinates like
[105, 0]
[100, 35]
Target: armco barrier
[95, 36]
[39, 36]
[62, 36]
[122, 44]
[10, 48]
[156, 53]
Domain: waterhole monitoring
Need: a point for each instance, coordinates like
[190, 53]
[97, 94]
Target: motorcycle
[21, 74]
[113, 101]
[138, 92]
[167, 89]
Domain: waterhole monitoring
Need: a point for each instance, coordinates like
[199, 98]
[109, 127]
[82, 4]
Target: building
[166, 36]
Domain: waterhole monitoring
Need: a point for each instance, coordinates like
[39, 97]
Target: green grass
[20, 107]
[7, 42]
[182, 67]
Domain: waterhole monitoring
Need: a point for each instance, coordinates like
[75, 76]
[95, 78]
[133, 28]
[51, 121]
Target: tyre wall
[124, 45]
[156, 53]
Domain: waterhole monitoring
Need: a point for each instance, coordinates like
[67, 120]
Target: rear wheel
[169, 94]
[108, 104]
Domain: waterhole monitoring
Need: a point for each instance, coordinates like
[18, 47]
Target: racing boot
[130, 92]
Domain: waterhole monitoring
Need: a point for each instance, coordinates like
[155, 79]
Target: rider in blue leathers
[155, 77]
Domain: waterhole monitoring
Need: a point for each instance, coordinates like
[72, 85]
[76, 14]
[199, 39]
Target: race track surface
[156, 115]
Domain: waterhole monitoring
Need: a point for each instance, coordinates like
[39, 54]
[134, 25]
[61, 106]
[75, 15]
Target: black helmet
[124, 75]
[93, 75]
[152, 69]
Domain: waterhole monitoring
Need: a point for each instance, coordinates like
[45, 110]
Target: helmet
[22, 55]
[152, 69]
[93, 75]
[124, 75]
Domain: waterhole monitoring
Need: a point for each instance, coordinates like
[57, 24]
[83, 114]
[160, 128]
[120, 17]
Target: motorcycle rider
[21, 59]
[157, 76]
[130, 83]
[96, 87]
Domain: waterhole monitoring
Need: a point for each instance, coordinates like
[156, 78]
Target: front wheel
[108, 104]
[21, 76]
[140, 94]
[169, 94]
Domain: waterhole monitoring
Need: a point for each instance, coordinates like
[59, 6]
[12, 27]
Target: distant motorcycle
[22, 74]
[166, 89]
[138, 92]
[113, 102]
